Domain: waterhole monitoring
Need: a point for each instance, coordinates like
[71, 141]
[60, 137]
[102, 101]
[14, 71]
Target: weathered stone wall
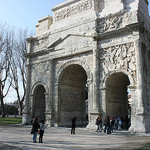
[109, 40]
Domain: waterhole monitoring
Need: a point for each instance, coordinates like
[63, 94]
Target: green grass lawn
[10, 120]
[144, 147]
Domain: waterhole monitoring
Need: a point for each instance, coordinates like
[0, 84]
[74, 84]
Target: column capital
[32, 95]
[132, 87]
[137, 43]
[103, 89]
[46, 94]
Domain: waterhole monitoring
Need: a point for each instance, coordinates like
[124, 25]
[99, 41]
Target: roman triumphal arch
[90, 59]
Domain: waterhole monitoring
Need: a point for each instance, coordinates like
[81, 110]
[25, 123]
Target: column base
[140, 111]
[138, 122]
[92, 120]
[26, 118]
[49, 116]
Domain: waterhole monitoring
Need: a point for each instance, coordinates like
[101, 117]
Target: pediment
[71, 42]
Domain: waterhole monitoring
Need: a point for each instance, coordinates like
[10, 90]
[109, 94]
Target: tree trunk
[20, 108]
[3, 106]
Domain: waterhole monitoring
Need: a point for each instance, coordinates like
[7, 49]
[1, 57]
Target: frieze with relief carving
[113, 22]
[40, 72]
[118, 57]
[72, 9]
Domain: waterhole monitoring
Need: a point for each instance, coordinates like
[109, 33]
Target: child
[41, 132]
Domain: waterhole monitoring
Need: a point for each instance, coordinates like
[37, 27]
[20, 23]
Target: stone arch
[36, 85]
[78, 62]
[72, 81]
[131, 79]
[39, 100]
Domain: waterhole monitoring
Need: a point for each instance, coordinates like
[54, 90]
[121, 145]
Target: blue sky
[23, 14]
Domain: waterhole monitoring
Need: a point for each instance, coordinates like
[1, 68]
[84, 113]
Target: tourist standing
[107, 124]
[119, 124]
[41, 132]
[116, 123]
[112, 124]
[99, 124]
[35, 127]
[73, 120]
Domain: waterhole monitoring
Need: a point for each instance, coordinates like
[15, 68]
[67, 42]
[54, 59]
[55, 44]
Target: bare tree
[18, 68]
[6, 47]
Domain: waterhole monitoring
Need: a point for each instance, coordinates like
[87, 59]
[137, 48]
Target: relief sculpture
[40, 72]
[72, 9]
[119, 57]
[114, 22]
[109, 23]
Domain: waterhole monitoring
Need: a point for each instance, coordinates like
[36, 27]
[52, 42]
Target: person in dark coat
[112, 125]
[107, 124]
[73, 120]
[99, 124]
[35, 127]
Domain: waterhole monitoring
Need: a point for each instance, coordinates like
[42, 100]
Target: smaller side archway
[38, 106]
[117, 95]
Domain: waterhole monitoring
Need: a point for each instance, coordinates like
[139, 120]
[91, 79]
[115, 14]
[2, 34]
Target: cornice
[38, 53]
[64, 4]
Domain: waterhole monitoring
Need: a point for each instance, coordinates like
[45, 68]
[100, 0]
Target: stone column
[134, 98]
[90, 98]
[96, 100]
[47, 110]
[92, 114]
[139, 122]
[56, 117]
[49, 96]
[103, 99]
[32, 105]
[51, 85]
[46, 102]
[139, 69]
[147, 77]
[148, 102]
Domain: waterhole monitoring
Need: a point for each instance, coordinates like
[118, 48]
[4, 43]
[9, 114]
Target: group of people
[37, 128]
[110, 124]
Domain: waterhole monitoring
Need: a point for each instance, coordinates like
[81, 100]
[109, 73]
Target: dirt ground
[19, 138]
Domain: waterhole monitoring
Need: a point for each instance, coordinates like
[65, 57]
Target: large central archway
[117, 95]
[72, 95]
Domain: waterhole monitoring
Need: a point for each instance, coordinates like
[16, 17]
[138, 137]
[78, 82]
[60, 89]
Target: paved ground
[19, 138]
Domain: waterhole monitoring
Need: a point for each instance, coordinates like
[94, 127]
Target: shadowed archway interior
[117, 95]
[39, 102]
[72, 95]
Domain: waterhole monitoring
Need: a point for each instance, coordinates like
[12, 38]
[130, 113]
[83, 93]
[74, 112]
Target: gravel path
[19, 138]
